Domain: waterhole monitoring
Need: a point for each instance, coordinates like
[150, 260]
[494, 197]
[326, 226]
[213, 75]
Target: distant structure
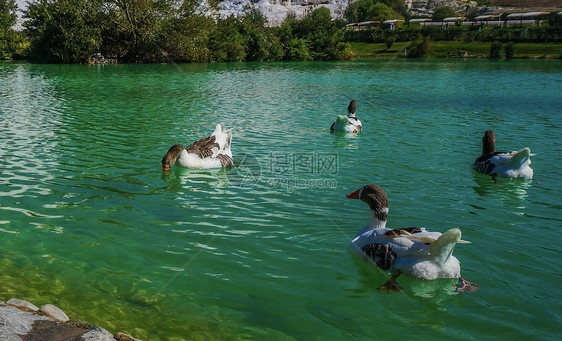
[497, 19]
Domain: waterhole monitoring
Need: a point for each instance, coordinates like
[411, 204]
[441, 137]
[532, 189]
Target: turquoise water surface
[89, 222]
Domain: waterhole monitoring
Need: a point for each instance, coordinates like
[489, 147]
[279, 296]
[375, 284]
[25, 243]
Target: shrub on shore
[496, 50]
[509, 50]
[421, 47]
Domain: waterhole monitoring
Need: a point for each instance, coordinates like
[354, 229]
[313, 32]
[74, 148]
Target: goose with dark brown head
[349, 123]
[209, 152]
[502, 164]
[412, 251]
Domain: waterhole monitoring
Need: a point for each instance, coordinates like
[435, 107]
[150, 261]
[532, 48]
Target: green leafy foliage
[443, 12]
[64, 31]
[8, 14]
[185, 36]
[70, 31]
[496, 50]
[12, 43]
[421, 47]
[509, 50]
[365, 10]
[323, 36]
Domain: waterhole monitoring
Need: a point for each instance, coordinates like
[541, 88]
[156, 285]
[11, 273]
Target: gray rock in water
[54, 312]
[22, 304]
[98, 334]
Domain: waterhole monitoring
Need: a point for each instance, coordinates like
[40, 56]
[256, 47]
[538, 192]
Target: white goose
[209, 152]
[412, 251]
[507, 165]
[348, 123]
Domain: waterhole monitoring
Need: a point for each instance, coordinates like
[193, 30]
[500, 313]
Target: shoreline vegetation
[458, 49]
[160, 31]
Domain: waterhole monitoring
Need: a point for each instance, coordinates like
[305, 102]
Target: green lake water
[89, 222]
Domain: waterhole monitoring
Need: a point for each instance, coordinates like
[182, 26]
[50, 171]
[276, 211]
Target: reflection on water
[30, 115]
[372, 278]
[181, 179]
[513, 192]
[345, 140]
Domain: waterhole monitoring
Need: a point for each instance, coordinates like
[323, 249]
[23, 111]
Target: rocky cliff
[277, 10]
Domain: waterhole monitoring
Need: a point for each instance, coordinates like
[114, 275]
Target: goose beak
[353, 195]
[165, 168]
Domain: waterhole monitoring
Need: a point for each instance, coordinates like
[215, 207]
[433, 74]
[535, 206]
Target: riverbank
[22, 320]
[455, 49]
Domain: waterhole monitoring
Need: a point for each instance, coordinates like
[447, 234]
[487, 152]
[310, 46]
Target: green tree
[294, 47]
[323, 36]
[63, 31]
[11, 42]
[381, 12]
[226, 43]
[260, 43]
[443, 12]
[139, 24]
[363, 10]
[8, 9]
[186, 34]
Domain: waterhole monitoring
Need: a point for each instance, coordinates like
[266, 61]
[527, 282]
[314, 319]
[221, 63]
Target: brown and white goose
[503, 164]
[348, 123]
[209, 152]
[412, 251]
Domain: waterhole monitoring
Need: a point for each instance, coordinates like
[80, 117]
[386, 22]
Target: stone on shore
[15, 322]
[22, 304]
[54, 313]
[98, 334]
[22, 321]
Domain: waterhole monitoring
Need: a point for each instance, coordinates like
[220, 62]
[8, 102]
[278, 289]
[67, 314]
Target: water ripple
[82, 192]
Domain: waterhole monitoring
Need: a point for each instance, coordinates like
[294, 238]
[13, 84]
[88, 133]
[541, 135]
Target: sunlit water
[89, 222]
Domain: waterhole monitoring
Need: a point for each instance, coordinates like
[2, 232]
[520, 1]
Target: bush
[390, 41]
[509, 50]
[421, 47]
[496, 50]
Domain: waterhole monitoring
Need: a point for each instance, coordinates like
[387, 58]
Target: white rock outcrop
[277, 10]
